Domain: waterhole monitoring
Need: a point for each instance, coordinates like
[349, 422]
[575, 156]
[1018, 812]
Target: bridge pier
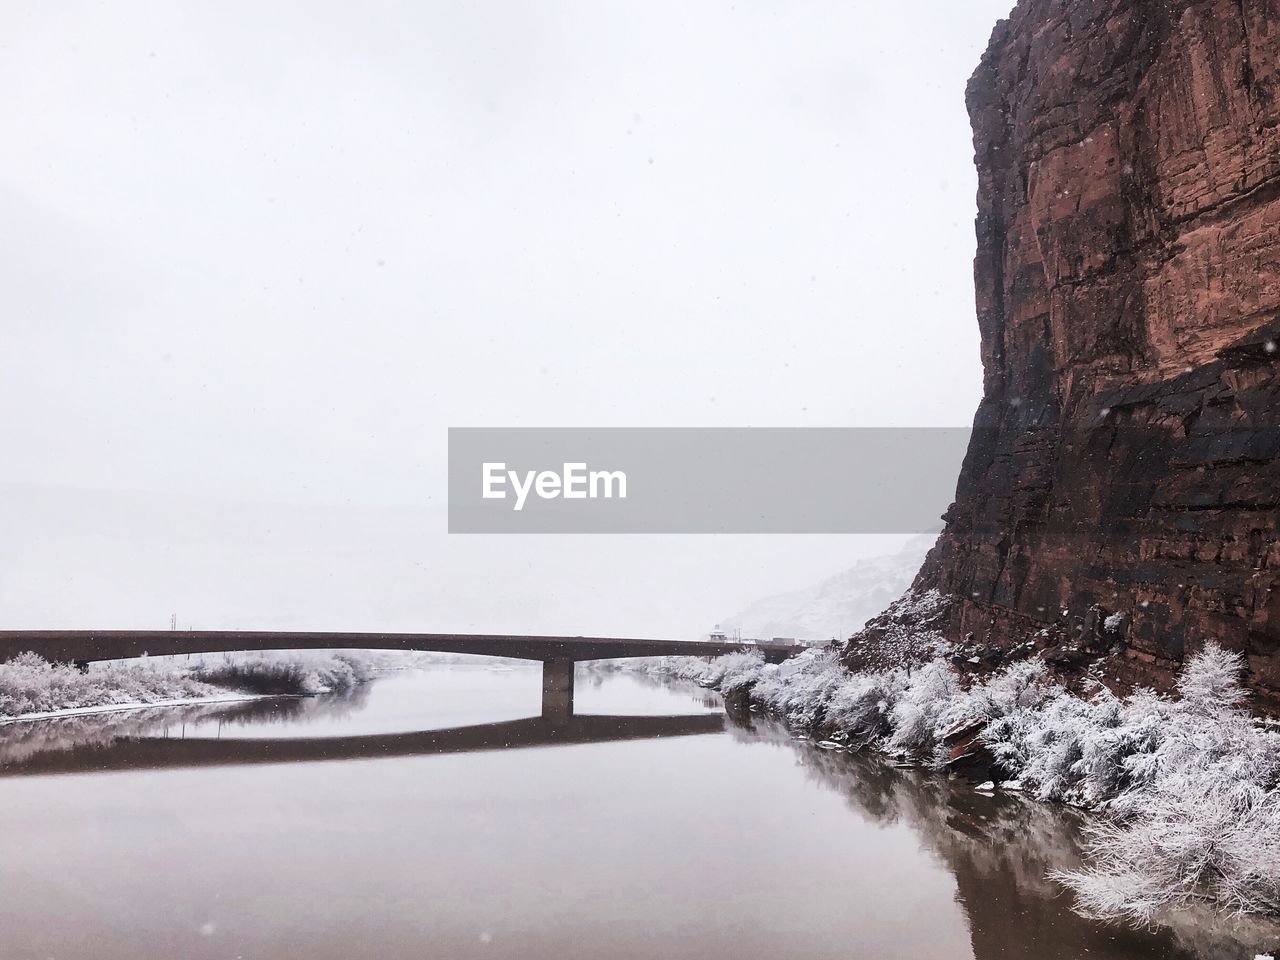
[557, 689]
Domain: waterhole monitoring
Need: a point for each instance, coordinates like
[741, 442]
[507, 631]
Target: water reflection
[1001, 850]
[157, 739]
[745, 842]
[22, 741]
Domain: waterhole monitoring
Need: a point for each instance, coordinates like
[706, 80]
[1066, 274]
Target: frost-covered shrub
[1045, 747]
[1083, 751]
[802, 688]
[916, 717]
[685, 668]
[1016, 689]
[1117, 746]
[1197, 835]
[735, 672]
[1197, 815]
[284, 674]
[31, 684]
[1210, 683]
[863, 703]
[659, 668]
[1006, 702]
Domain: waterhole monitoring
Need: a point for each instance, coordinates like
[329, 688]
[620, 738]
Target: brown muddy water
[427, 816]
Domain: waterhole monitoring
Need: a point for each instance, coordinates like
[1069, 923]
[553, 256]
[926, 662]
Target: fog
[260, 257]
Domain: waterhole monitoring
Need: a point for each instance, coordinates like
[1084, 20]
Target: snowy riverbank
[1186, 788]
[32, 688]
[136, 705]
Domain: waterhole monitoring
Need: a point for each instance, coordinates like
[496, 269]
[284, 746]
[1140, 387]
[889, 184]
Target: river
[426, 816]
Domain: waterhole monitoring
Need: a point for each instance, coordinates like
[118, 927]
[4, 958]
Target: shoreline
[137, 705]
[1141, 766]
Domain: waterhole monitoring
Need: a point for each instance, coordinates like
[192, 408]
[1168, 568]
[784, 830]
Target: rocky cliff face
[1122, 491]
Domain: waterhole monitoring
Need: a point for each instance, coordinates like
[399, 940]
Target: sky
[260, 257]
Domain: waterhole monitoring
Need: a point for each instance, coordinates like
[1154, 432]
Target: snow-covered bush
[1006, 702]
[1188, 837]
[685, 668]
[1046, 746]
[801, 689]
[1210, 683]
[694, 669]
[735, 672]
[1196, 815]
[1016, 689]
[916, 717]
[287, 674]
[863, 703]
[31, 684]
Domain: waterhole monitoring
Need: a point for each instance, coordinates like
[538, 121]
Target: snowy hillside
[839, 604]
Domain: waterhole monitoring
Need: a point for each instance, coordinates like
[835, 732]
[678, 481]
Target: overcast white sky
[268, 253]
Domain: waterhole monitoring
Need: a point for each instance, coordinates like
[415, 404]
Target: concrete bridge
[557, 654]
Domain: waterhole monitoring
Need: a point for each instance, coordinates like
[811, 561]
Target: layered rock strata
[1121, 495]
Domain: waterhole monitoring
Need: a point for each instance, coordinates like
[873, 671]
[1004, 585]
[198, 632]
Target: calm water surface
[428, 816]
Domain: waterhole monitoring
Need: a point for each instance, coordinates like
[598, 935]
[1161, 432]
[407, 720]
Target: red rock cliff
[1128, 288]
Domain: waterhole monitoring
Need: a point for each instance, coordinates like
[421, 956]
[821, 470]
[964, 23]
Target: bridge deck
[92, 645]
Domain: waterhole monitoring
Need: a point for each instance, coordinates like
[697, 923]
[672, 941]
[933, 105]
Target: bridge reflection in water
[558, 725]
